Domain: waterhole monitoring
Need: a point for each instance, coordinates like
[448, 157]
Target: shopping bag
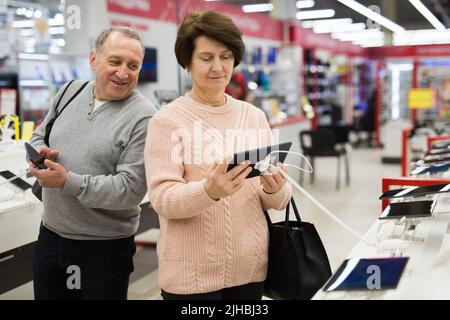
[298, 263]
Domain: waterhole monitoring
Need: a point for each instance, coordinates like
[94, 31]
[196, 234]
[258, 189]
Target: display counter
[426, 274]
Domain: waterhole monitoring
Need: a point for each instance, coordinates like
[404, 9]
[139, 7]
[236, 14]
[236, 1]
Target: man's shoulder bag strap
[49, 126]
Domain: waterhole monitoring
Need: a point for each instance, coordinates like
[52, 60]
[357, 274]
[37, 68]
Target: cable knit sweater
[206, 245]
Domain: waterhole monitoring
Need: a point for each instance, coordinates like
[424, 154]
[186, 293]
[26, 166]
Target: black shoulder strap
[49, 126]
[57, 114]
[61, 97]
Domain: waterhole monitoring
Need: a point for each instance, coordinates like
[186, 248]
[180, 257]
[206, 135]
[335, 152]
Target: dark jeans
[81, 269]
[250, 291]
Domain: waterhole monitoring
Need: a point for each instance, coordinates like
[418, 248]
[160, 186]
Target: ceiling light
[23, 24]
[372, 44]
[369, 43]
[33, 56]
[56, 30]
[421, 37]
[21, 11]
[359, 35]
[388, 24]
[315, 14]
[428, 14]
[262, 7]
[303, 4]
[26, 32]
[317, 23]
[29, 13]
[339, 28]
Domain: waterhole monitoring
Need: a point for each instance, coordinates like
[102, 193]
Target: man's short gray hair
[130, 33]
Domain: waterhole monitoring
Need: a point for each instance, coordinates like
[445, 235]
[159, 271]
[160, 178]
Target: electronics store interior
[104, 106]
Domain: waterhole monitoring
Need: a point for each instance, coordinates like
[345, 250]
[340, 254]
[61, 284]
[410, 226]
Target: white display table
[427, 273]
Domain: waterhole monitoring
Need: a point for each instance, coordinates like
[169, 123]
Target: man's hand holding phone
[48, 153]
[54, 176]
[51, 174]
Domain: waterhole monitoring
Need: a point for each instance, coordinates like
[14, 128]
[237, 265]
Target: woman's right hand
[220, 183]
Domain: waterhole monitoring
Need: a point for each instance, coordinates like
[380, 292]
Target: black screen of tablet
[411, 209]
[260, 154]
[17, 182]
[417, 192]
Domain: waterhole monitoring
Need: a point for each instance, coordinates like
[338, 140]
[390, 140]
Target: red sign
[136, 26]
[148, 9]
[251, 24]
[437, 50]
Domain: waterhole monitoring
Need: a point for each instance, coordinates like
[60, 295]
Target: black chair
[322, 143]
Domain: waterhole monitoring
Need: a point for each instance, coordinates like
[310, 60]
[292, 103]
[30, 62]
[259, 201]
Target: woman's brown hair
[212, 25]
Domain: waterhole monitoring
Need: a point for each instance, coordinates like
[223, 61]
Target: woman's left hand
[272, 183]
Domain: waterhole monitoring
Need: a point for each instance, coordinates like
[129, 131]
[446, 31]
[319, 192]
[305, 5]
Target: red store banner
[251, 24]
[437, 50]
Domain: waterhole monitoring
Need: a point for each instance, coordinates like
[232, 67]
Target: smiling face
[211, 66]
[116, 65]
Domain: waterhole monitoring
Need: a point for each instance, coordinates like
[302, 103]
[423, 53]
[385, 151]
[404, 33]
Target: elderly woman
[213, 240]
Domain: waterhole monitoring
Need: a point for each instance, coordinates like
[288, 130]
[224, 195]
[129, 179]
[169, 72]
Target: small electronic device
[416, 191]
[431, 169]
[437, 160]
[436, 157]
[412, 209]
[34, 157]
[358, 274]
[256, 156]
[437, 151]
[440, 145]
[18, 182]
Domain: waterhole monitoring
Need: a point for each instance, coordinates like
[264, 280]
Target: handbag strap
[297, 215]
[294, 206]
[286, 218]
[49, 126]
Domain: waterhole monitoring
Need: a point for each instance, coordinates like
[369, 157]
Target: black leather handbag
[298, 263]
[36, 189]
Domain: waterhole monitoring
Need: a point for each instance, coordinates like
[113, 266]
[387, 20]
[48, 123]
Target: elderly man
[94, 178]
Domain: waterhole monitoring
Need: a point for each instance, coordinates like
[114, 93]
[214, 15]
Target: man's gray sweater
[103, 152]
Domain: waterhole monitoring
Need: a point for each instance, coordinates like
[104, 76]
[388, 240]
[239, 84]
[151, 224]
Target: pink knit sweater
[206, 245]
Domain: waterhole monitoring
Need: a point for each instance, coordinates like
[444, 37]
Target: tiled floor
[357, 205]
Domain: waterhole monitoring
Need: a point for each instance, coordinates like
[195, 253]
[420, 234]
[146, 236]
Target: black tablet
[438, 151]
[260, 154]
[412, 209]
[18, 182]
[416, 191]
[368, 274]
[440, 145]
[438, 159]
